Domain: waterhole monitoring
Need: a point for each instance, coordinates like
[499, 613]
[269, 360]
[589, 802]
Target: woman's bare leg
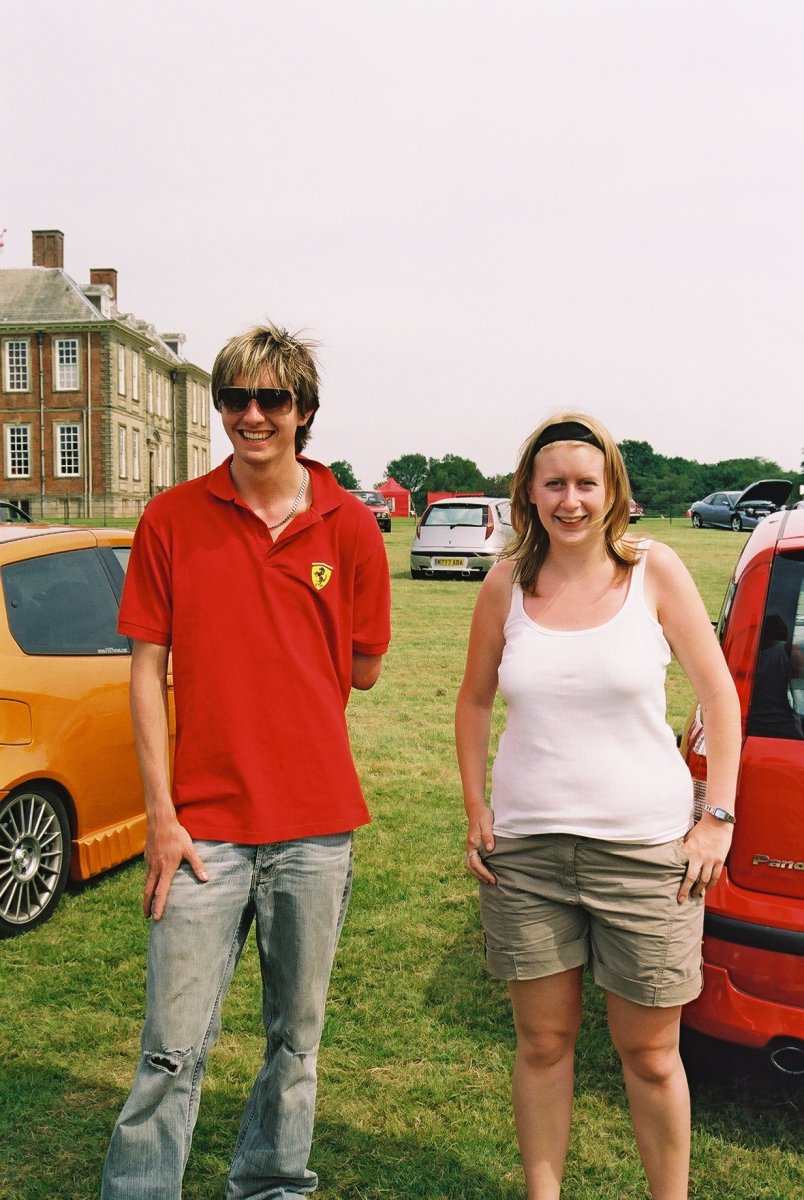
[547, 1016]
[646, 1040]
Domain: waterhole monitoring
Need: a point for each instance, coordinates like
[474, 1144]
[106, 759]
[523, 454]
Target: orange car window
[62, 604]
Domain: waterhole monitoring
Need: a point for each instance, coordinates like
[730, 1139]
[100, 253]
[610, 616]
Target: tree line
[668, 486]
[420, 475]
[660, 484]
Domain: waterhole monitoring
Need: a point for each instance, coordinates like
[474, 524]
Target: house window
[68, 450]
[16, 366]
[66, 364]
[167, 396]
[121, 370]
[204, 408]
[195, 463]
[167, 466]
[135, 375]
[135, 453]
[194, 395]
[203, 462]
[150, 391]
[122, 452]
[18, 451]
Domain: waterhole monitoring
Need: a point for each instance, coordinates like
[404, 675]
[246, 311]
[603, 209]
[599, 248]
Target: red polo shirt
[262, 635]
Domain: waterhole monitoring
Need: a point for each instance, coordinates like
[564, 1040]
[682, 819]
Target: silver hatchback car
[460, 538]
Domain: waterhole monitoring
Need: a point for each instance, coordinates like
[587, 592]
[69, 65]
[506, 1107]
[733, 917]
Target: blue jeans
[297, 894]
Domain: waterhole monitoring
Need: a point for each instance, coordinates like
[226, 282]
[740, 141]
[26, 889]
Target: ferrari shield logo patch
[320, 573]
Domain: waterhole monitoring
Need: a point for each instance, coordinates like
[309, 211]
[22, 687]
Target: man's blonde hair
[288, 357]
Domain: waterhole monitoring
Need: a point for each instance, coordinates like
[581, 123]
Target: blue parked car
[741, 510]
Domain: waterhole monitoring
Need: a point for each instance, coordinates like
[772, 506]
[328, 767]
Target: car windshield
[457, 514]
[370, 497]
[725, 499]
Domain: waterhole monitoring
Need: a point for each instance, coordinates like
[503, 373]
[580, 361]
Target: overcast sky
[484, 211]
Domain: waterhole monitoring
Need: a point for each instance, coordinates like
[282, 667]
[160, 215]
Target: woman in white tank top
[586, 853]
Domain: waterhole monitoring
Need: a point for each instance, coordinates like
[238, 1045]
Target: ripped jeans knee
[169, 1061]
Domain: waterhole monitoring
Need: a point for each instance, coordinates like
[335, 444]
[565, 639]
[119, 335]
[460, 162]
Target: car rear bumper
[753, 983]
[759, 937]
[753, 952]
[726, 1012]
[448, 564]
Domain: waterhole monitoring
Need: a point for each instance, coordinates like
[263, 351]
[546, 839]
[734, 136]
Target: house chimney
[107, 275]
[48, 248]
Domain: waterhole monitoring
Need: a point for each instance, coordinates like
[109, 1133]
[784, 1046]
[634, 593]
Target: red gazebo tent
[398, 498]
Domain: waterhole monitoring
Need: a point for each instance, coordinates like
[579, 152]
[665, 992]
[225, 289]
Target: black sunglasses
[271, 401]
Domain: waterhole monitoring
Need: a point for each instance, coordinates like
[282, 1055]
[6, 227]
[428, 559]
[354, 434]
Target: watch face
[719, 813]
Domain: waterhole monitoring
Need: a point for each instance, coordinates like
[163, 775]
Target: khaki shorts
[561, 901]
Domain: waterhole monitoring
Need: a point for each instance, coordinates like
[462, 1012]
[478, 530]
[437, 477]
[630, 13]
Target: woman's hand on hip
[707, 845]
[480, 836]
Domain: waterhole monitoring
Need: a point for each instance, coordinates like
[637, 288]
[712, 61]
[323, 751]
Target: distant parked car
[460, 538]
[636, 511]
[753, 948]
[71, 801]
[378, 505]
[740, 510]
[12, 512]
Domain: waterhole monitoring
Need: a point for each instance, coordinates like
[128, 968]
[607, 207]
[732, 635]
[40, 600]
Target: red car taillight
[489, 525]
[696, 761]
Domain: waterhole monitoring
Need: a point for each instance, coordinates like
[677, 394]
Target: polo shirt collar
[327, 492]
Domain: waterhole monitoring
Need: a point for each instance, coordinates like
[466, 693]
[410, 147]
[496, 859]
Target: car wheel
[34, 858]
[736, 524]
[696, 520]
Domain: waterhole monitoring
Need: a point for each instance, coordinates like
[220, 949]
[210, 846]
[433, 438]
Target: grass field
[417, 1052]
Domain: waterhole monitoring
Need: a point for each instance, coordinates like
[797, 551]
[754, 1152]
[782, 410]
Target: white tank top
[586, 747]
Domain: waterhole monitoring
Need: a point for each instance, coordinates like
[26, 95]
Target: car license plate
[449, 562]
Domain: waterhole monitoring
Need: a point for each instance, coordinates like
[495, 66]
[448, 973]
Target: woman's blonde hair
[530, 543]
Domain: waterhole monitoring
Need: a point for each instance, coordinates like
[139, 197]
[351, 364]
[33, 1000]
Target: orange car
[70, 794]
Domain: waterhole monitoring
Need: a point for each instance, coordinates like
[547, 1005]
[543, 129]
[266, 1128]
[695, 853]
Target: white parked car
[460, 538]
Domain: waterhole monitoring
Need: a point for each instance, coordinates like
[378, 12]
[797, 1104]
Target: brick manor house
[98, 410]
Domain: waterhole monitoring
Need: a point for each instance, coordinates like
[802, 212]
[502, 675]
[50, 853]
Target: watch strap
[720, 814]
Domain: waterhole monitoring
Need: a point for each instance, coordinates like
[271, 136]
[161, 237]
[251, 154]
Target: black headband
[566, 431]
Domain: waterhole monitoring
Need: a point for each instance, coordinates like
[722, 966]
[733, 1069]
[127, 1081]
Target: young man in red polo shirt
[269, 585]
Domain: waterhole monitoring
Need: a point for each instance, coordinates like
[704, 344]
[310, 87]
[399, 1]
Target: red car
[754, 926]
[378, 505]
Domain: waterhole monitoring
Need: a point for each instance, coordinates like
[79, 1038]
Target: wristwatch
[719, 814]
